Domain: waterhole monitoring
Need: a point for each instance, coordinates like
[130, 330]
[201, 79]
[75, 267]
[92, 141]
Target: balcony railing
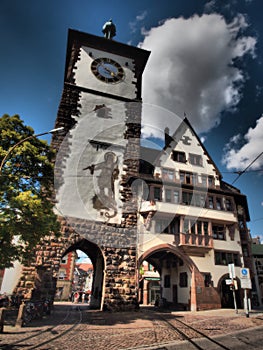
[193, 241]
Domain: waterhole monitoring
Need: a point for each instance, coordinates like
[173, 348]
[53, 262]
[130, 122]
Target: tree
[26, 183]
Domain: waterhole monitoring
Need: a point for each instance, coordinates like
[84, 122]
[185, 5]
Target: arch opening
[81, 280]
[165, 279]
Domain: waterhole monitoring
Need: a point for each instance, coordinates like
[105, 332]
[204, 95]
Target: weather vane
[109, 29]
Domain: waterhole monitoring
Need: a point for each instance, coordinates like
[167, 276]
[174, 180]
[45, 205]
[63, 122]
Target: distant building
[257, 253]
[66, 276]
[73, 277]
[85, 279]
[9, 278]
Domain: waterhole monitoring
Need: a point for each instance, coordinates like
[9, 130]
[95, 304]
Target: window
[64, 260]
[161, 225]
[204, 180]
[167, 281]
[187, 178]
[195, 159]
[218, 203]
[194, 179]
[187, 198]
[176, 196]
[211, 181]
[199, 200]
[167, 225]
[179, 157]
[62, 275]
[225, 258]
[218, 232]
[168, 174]
[199, 227]
[168, 196]
[210, 202]
[186, 226]
[207, 279]
[156, 193]
[228, 204]
[205, 226]
[171, 196]
[183, 280]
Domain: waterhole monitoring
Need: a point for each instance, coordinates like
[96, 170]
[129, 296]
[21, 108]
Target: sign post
[245, 284]
[232, 275]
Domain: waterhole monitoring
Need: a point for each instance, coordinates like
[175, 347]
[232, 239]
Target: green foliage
[26, 183]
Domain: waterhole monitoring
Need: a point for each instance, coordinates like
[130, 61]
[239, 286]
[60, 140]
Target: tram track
[187, 332]
[50, 334]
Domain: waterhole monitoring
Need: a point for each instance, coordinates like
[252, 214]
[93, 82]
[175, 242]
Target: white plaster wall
[74, 197]
[196, 212]
[194, 147]
[11, 278]
[183, 293]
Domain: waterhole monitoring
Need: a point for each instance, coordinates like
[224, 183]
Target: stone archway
[40, 279]
[98, 261]
[201, 297]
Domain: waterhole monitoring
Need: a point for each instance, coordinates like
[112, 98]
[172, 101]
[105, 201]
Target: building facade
[257, 254]
[193, 224]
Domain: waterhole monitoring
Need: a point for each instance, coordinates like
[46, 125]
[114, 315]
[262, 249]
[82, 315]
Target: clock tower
[97, 158]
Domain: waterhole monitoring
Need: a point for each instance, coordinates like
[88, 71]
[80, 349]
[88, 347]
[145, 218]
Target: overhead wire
[240, 173]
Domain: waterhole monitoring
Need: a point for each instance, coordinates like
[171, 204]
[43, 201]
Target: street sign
[246, 283]
[228, 282]
[244, 273]
[231, 270]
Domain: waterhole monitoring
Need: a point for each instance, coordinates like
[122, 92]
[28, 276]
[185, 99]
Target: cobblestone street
[73, 326]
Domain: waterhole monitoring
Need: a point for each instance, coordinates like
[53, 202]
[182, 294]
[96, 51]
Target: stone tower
[97, 159]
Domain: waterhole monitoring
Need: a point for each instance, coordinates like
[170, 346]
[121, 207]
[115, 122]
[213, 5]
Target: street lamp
[25, 139]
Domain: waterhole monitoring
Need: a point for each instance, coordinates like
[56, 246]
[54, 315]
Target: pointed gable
[186, 153]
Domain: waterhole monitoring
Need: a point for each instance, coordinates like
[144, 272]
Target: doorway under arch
[226, 293]
[175, 270]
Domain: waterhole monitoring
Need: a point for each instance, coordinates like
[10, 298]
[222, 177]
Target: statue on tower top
[109, 29]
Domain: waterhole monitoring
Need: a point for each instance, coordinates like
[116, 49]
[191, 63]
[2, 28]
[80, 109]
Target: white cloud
[190, 67]
[240, 157]
[139, 18]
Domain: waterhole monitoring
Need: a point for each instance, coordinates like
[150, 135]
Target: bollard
[2, 318]
[20, 316]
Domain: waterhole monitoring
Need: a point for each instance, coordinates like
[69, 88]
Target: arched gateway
[182, 284]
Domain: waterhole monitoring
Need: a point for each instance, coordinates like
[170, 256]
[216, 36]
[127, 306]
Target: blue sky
[206, 61]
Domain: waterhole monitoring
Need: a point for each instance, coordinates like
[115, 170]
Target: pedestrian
[76, 297]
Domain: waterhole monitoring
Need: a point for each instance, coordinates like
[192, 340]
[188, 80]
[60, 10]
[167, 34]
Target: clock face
[107, 70]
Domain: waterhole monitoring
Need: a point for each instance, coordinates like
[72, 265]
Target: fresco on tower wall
[89, 185]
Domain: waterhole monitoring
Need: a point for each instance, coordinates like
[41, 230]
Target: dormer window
[179, 156]
[195, 159]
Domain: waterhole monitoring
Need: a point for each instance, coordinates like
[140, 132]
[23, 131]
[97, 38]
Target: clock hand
[108, 70]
